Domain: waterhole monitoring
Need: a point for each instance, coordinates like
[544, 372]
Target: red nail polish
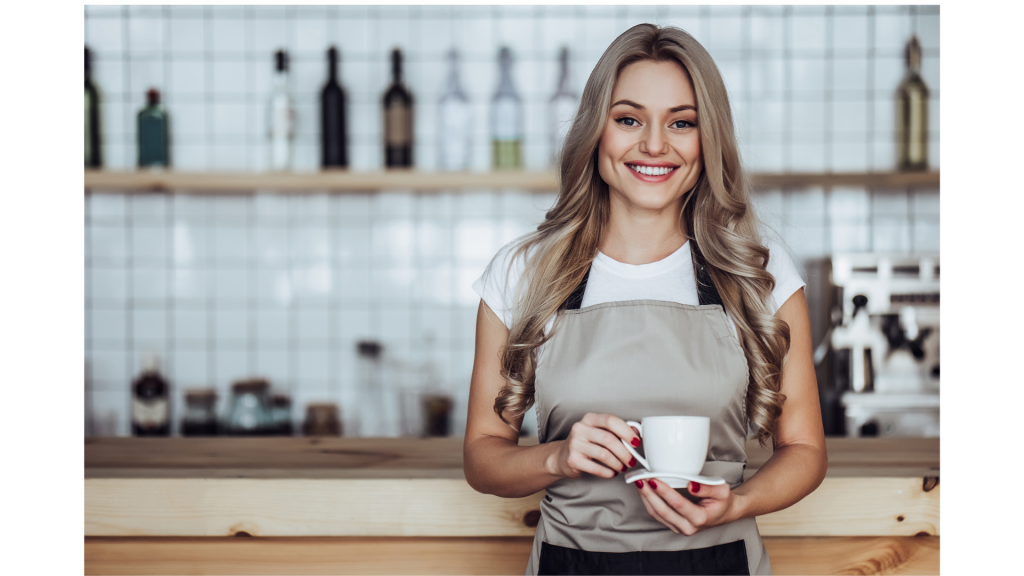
[635, 441]
[624, 468]
[614, 473]
[639, 484]
[632, 461]
[694, 487]
[653, 485]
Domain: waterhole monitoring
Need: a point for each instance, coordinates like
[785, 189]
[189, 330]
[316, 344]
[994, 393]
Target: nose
[654, 142]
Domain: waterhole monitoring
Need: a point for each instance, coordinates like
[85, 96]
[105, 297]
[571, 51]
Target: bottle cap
[281, 60]
[152, 96]
[912, 53]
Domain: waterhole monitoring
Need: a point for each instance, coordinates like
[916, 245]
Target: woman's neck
[638, 235]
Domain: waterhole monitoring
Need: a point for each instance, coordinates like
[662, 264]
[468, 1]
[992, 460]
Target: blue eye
[625, 121]
[685, 124]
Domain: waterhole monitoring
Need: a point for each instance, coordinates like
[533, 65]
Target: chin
[652, 198]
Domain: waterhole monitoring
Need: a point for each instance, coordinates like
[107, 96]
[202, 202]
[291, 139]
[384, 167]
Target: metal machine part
[887, 339]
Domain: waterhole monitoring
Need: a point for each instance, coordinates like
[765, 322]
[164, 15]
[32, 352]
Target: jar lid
[322, 408]
[255, 385]
[281, 401]
[201, 394]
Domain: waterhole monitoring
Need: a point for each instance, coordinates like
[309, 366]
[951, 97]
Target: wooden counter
[321, 505]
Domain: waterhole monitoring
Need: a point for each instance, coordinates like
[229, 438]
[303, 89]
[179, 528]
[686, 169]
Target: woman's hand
[594, 447]
[717, 505]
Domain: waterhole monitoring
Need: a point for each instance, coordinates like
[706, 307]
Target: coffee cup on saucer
[676, 448]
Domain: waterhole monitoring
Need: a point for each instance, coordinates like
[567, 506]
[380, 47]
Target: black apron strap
[706, 291]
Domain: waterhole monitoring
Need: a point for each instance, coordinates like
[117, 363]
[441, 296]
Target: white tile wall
[213, 65]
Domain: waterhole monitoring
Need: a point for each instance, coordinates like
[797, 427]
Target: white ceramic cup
[677, 444]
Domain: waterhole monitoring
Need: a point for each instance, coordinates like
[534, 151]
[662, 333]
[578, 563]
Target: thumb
[709, 491]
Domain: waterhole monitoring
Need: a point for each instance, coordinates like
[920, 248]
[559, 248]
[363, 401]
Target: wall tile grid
[222, 288]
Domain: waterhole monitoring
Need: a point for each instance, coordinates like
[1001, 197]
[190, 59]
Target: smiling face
[650, 150]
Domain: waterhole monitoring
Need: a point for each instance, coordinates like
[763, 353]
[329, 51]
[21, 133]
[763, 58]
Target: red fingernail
[632, 461]
[624, 468]
[614, 473]
[653, 485]
[635, 441]
[694, 487]
[639, 484]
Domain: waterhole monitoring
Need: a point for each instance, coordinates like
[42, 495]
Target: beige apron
[635, 359]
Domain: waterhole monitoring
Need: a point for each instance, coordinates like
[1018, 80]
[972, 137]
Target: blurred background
[349, 311]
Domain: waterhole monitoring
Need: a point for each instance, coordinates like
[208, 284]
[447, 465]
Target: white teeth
[650, 170]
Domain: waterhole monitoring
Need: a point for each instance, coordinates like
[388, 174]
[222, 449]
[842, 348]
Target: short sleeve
[783, 268]
[496, 286]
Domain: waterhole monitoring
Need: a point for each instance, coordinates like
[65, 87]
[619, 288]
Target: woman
[646, 291]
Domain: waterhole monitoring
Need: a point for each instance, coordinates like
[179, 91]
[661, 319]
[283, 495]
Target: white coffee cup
[677, 444]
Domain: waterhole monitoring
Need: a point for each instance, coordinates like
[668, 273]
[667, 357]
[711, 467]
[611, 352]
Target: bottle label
[916, 136]
[397, 125]
[506, 120]
[150, 414]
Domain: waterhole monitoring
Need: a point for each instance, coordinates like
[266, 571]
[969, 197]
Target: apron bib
[635, 359]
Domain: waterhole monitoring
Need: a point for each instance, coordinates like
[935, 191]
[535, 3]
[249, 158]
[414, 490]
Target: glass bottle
[398, 134]
[333, 150]
[454, 135]
[506, 119]
[912, 113]
[151, 405]
[562, 107]
[280, 116]
[92, 117]
[152, 129]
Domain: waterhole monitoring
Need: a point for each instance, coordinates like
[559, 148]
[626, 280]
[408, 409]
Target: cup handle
[638, 457]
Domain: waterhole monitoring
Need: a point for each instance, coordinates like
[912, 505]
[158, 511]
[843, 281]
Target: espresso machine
[885, 343]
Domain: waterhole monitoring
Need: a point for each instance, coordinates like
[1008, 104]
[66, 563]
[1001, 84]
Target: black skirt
[728, 558]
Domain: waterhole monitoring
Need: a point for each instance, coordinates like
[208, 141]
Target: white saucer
[671, 478]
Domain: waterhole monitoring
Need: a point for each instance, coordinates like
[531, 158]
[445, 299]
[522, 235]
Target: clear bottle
[92, 117]
[912, 113]
[398, 121]
[562, 107]
[506, 119]
[333, 149]
[280, 116]
[455, 130]
[152, 131]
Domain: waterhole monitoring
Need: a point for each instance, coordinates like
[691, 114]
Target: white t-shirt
[670, 279]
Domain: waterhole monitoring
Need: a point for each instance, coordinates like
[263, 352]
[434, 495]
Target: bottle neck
[279, 81]
[454, 86]
[505, 87]
[332, 69]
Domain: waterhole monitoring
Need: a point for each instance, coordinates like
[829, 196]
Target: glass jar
[281, 413]
[200, 417]
[249, 409]
[322, 420]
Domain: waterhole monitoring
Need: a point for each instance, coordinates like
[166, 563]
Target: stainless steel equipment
[889, 330]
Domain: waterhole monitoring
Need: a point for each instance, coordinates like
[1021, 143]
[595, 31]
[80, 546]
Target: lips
[649, 170]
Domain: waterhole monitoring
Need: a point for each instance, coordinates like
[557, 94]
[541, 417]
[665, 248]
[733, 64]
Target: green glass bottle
[912, 113]
[92, 117]
[153, 133]
[506, 119]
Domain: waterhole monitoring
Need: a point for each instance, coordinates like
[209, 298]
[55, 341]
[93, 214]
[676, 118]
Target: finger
[683, 517]
[602, 455]
[695, 514]
[612, 443]
[615, 425]
[719, 491]
[650, 511]
[581, 462]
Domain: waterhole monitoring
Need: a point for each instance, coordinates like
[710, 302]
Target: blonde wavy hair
[716, 212]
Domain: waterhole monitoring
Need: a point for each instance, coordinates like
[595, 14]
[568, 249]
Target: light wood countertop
[415, 487]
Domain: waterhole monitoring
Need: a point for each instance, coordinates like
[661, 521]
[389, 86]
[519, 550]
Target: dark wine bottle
[333, 151]
[92, 117]
[151, 407]
[912, 112]
[153, 133]
[398, 136]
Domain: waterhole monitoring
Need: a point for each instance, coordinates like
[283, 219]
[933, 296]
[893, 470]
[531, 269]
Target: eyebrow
[639, 107]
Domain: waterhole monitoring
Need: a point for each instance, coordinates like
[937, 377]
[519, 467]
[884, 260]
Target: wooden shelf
[344, 181]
